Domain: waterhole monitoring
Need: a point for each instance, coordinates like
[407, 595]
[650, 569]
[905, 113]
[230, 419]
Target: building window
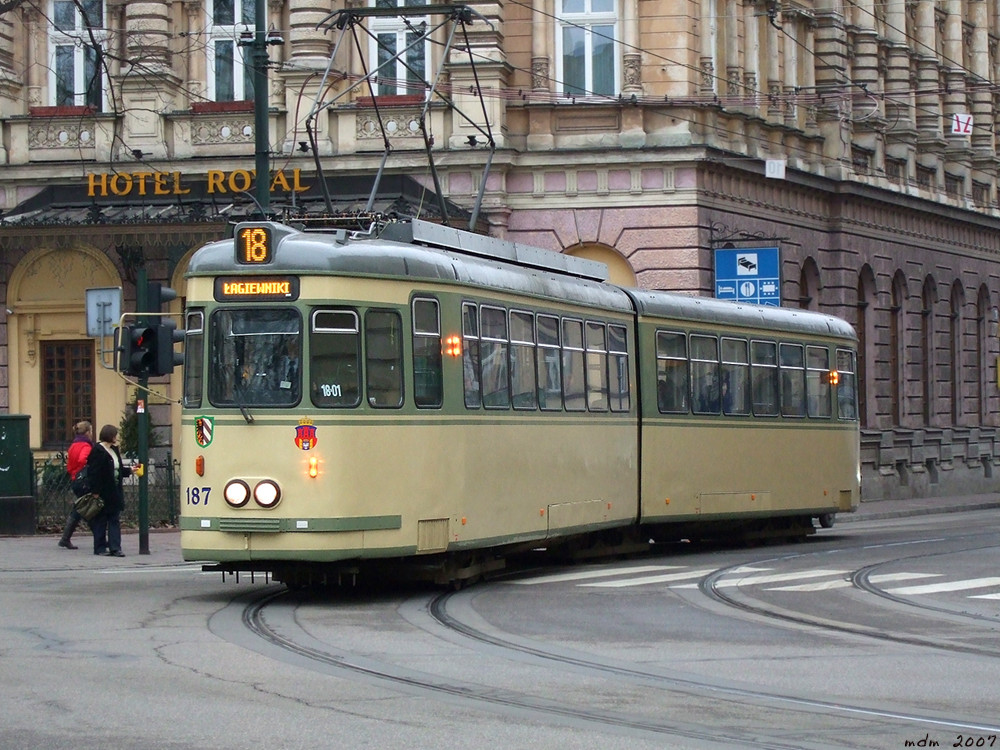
[230, 68]
[397, 51]
[586, 51]
[74, 44]
[67, 389]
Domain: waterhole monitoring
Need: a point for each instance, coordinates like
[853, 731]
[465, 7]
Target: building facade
[856, 141]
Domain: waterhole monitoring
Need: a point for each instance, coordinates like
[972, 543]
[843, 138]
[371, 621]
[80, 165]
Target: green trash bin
[17, 491]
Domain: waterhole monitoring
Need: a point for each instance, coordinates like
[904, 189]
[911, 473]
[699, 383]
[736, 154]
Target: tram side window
[253, 357]
[384, 358]
[470, 356]
[522, 359]
[194, 357]
[597, 367]
[334, 359]
[549, 363]
[847, 387]
[494, 343]
[618, 388]
[427, 389]
[764, 377]
[705, 374]
[574, 392]
[671, 372]
[793, 380]
[735, 377]
[818, 382]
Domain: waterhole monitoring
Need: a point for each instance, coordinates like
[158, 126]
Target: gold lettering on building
[124, 184]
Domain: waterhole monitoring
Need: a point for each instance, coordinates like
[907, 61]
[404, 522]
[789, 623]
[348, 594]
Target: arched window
[928, 299]
[957, 352]
[897, 337]
[867, 297]
[984, 318]
[809, 286]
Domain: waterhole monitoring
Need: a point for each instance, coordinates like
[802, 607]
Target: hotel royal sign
[215, 182]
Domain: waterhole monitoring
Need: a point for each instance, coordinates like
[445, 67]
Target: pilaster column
[541, 55]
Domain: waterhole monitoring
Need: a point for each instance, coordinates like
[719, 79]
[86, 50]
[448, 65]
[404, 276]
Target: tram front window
[255, 357]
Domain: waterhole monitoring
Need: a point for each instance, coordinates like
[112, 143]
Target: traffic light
[157, 296]
[165, 333]
[138, 345]
[165, 358]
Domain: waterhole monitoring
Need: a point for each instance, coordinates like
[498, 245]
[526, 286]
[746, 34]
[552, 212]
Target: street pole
[142, 421]
[261, 129]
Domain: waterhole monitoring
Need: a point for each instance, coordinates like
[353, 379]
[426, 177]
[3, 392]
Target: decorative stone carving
[540, 73]
[632, 69]
[222, 131]
[397, 125]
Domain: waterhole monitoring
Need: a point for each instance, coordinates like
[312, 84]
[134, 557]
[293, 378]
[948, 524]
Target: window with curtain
[230, 67]
[587, 53]
[397, 52]
[75, 72]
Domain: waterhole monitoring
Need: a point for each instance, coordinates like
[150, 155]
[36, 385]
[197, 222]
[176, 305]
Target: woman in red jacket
[79, 450]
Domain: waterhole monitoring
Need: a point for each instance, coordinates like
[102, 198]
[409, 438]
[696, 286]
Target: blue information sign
[748, 274]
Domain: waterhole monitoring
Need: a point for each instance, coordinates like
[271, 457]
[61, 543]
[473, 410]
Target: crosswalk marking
[935, 588]
[666, 578]
[777, 578]
[840, 583]
[560, 577]
[678, 577]
[887, 577]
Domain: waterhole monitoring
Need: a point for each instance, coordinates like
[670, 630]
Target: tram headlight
[266, 493]
[237, 493]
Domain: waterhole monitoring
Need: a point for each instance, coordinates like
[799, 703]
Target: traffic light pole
[142, 424]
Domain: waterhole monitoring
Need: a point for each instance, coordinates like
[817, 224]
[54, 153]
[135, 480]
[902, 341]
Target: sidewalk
[42, 553]
[877, 509]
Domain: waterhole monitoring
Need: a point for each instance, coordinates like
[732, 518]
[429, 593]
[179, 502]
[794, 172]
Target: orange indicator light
[313, 467]
[199, 466]
[453, 346]
[834, 377]
[463, 520]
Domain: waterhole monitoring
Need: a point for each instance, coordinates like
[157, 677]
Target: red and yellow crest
[305, 434]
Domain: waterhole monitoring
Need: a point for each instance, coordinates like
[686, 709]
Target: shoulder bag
[89, 506]
[81, 482]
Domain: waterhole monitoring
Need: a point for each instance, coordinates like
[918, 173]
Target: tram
[419, 397]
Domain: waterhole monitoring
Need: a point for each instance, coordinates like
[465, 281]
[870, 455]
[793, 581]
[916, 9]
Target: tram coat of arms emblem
[204, 430]
[305, 434]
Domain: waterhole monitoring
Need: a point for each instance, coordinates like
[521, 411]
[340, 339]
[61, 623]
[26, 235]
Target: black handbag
[89, 506]
[81, 483]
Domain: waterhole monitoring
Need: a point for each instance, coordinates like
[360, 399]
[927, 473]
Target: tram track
[860, 579]
[255, 619]
[446, 616]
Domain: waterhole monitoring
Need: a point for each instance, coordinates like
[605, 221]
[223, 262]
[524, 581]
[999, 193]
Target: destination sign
[256, 288]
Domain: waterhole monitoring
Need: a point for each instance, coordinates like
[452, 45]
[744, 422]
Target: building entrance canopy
[149, 197]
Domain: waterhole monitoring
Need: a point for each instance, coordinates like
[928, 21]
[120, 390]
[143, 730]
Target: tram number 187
[197, 495]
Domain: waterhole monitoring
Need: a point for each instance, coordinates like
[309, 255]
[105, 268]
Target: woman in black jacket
[106, 471]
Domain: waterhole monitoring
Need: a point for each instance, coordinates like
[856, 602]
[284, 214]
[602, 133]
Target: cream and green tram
[424, 394]
[749, 417]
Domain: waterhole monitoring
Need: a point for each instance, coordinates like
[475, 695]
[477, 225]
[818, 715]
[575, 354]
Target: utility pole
[261, 129]
[142, 421]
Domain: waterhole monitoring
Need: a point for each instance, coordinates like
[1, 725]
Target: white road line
[936, 588]
[559, 577]
[651, 579]
[887, 577]
[840, 583]
[985, 596]
[777, 578]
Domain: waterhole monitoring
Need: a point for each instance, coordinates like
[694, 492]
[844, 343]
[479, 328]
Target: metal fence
[53, 497]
